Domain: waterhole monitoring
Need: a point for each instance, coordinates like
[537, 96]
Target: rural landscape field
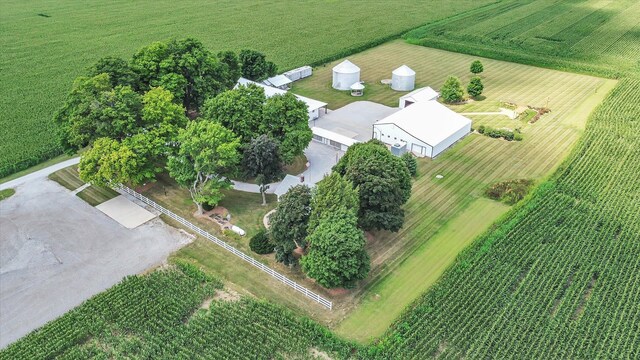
[554, 274]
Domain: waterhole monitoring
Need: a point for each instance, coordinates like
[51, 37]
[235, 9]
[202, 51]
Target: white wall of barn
[391, 134]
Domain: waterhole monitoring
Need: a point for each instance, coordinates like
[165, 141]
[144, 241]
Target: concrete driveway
[321, 159]
[57, 251]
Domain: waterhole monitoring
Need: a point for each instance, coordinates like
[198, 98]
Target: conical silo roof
[346, 67]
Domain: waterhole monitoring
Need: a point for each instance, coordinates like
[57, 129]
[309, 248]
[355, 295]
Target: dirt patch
[317, 354]
[224, 295]
[338, 292]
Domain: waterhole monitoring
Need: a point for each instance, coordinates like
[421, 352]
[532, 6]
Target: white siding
[443, 145]
[391, 134]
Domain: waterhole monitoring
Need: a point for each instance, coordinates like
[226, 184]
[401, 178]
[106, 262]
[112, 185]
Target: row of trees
[135, 117]
[366, 191]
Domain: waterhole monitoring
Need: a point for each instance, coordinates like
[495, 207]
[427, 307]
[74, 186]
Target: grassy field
[47, 44]
[593, 36]
[558, 278]
[6, 193]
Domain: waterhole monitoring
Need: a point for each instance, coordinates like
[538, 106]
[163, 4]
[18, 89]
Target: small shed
[357, 89]
[278, 81]
[418, 95]
[403, 79]
[345, 74]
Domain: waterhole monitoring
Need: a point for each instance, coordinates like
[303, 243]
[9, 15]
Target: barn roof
[428, 121]
[421, 94]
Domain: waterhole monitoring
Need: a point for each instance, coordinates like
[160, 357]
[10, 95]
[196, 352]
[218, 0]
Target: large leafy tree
[254, 65]
[336, 256]
[234, 69]
[162, 115]
[208, 152]
[95, 109]
[452, 90]
[262, 160]
[475, 87]
[184, 67]
[383, 181]
[240, 110]
[287, 119]
[118, 69]
[289, 223]
[332, 193]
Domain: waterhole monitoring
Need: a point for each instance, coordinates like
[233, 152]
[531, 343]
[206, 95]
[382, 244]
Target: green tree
[230, 59]
[287, 119]
[336, 256]
[261, 244]
[240, 110]
[255, 66]
[262, 160]
[184, 67]
[475, 87]
[411, 162]
[110, 162]
[476, 67]
[452, 90]
[119, 71]
[289, 223]
[161, 112]
[207, 153]
[383, 182]
[332, 193]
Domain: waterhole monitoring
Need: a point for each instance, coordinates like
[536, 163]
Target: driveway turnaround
[126, 212]
[57, 251]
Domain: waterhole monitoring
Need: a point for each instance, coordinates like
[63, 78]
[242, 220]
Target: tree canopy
[452, 90]
[475, 87]
[383, 181]
[287, 119]
[262, 157]
[332, 193]
[336, 256]
[208, 152]
[118, 69]
[476, 67]
[289, 223]
[254, 65]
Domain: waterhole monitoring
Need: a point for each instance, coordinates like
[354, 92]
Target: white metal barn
[426, 128]
[403, 79]
[316, 108]
[418, 95]
[345, 74]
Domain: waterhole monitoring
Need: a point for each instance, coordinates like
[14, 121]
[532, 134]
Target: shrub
[481, 129]
[475, 87]
[261, 244]
[476, 67]
[500, 133]
[510, 192]
[412, 163]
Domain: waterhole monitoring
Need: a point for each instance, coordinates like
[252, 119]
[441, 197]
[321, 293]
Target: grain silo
[345, 74]
[403, 79]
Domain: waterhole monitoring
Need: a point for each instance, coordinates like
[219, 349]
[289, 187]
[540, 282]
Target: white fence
[299, 288]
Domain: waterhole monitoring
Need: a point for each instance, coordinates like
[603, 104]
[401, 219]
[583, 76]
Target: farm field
[592, 36]
[176, 313]
[558, 278]
[47, 44]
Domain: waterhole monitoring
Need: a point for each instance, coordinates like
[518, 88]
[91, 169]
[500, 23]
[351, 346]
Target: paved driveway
[321, 159]
[56, 251]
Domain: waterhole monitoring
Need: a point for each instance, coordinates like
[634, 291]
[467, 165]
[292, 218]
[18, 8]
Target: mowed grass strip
[96, 195]
[42, 55]
[386, 300]
[67, 177]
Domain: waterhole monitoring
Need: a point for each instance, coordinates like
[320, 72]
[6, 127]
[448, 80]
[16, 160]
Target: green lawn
[70, 179]
[388, 298]
[6, 193]
[96, 195]
[67, 177]
[47, 44]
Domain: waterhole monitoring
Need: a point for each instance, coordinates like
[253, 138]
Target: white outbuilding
[357, 89]
[403, 79]
[418, 95]
[425, 128]
[345, 74]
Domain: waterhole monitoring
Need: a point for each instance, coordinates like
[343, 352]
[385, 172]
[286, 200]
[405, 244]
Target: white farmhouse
[418, 95]
[425, 128]
[316, 108]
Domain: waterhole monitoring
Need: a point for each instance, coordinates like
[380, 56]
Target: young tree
[119, 71]
[476, 67]
[255, 66]
[208, 152]
[240, 110]
[336, 256]
[452, 90]
[332, 193]
[184, 67]
[411, 162]
[289, 223]
[261, 244]
[287, 119]
[262, 161]
[475, 87]
[383, 181]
